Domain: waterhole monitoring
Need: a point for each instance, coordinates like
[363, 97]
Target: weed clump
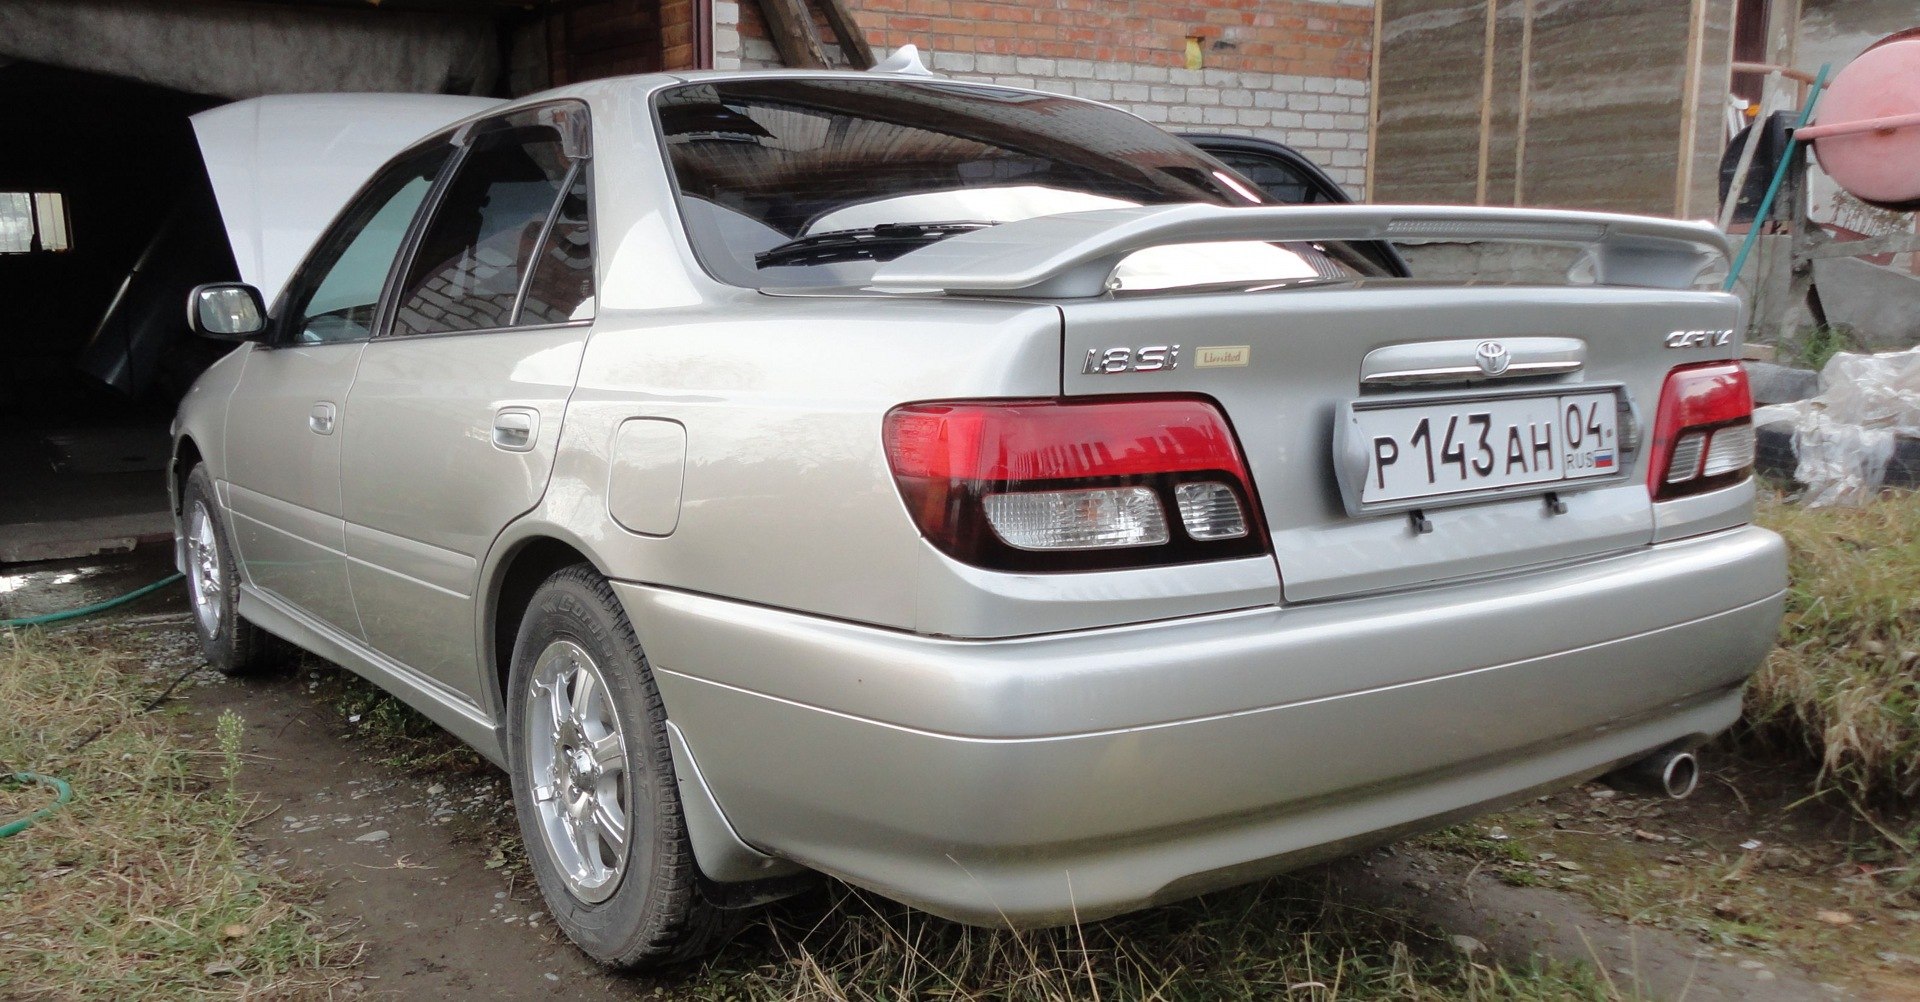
[1843, 683]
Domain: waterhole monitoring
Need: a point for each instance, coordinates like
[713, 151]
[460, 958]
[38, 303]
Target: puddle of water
[37, 589]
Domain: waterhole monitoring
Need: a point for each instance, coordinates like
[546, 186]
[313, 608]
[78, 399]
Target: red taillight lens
[1037, 485]
[1703, 434]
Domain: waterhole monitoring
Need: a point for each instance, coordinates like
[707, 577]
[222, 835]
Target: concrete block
[1780, 384]
[1880, 304]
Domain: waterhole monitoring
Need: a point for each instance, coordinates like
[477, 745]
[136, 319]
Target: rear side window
[487, 231]
[562, 285]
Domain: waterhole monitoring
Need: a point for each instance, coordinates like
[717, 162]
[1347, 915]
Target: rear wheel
[229, 643]
[593, 782]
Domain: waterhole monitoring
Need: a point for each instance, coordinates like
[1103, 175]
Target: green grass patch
[1843, 684]
[140, 888]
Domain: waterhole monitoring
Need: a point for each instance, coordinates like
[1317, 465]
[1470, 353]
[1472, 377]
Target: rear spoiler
[1070, 255]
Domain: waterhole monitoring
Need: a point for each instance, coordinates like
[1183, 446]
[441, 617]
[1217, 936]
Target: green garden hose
[62, 795]
[88, 610]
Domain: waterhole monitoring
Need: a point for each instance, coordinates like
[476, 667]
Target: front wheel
[229, 643]
[593, 782]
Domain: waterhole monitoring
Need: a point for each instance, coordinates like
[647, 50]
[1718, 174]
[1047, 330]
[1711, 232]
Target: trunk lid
[1291, 367]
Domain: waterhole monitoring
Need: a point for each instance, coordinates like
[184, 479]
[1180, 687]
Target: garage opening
[106, 221]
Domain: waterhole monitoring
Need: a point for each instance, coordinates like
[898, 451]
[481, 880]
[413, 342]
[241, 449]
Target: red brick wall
[1260, 36]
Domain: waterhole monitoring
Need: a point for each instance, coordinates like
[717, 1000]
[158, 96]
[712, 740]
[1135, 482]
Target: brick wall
[1292, 71]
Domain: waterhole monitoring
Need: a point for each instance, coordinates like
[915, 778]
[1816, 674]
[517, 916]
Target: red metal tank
[1868, 132]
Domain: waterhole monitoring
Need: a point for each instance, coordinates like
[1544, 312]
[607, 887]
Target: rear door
[1384, 453]
[454, 417]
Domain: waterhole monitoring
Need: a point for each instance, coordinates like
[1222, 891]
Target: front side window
[338, 293]
[490, 231]
[808, 182]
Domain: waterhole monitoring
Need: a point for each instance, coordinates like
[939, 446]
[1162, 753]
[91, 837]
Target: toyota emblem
[1493, 357]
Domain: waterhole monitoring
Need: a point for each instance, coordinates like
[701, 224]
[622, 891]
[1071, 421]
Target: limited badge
[1221, 356]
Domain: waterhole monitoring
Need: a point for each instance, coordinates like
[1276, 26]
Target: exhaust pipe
[1672, 771]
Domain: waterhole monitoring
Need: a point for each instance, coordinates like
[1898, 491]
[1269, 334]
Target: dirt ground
[422, 866]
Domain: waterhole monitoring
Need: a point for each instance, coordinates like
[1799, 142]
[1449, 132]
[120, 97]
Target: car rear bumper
[1039, 779]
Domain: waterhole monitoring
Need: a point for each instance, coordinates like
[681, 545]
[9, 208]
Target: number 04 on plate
[1395, 454]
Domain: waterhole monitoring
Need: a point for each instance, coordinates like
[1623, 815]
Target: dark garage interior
[113, 166]
[107, 219]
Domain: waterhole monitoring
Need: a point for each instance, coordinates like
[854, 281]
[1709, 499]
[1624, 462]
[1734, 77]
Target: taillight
[1049, 485]
[1703, 434]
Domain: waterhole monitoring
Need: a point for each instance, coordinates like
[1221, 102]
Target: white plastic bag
[1845, 436]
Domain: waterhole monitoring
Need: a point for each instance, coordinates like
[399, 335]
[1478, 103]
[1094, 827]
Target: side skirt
[440, 704]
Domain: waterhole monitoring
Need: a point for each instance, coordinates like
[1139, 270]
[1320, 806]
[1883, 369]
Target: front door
[285, 420]
[454, 418]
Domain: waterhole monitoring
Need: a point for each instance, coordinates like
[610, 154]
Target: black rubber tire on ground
[659, 912]
[233, 645]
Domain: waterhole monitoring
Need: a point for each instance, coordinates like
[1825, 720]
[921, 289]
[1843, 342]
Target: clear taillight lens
[1078, 520]
[1040, 485]
[1703, 435]
[1210, 511]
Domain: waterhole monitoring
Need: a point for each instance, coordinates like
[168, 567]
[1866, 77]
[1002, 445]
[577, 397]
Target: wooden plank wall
[602, 38]
[1581, 104]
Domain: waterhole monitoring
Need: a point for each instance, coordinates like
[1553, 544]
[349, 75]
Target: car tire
[229, 642]
[581, 707]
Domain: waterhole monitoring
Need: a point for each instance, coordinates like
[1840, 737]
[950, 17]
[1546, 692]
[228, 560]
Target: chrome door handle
[515, 428]
[320, 418]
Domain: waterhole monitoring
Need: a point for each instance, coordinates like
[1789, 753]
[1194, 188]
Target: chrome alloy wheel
[577, 766]
[205, 585]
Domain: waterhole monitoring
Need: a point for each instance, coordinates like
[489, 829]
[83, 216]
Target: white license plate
[1430, 450]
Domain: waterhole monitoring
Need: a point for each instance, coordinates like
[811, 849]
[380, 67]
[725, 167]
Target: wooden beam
[1373, 100]
[1690, 108]
[1526, 105]
[853, 41]
[790, 25]
[1486, 102]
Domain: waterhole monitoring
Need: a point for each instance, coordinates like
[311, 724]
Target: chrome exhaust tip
[1673, 772]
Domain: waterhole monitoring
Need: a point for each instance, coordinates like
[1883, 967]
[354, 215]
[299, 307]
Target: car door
[454, 417]
[284, 422]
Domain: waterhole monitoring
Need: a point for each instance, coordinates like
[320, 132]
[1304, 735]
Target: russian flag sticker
[1603, 460]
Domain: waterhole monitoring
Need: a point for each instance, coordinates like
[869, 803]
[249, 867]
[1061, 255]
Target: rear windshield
[789, 182]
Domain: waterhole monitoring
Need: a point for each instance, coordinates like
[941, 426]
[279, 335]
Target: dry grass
[1844, 682]
[141, 888]
[1280, 939]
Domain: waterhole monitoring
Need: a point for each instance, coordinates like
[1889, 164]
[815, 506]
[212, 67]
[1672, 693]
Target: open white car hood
[283, 166]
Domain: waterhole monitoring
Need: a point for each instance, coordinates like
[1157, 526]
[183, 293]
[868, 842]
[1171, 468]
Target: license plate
[1432, 450]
